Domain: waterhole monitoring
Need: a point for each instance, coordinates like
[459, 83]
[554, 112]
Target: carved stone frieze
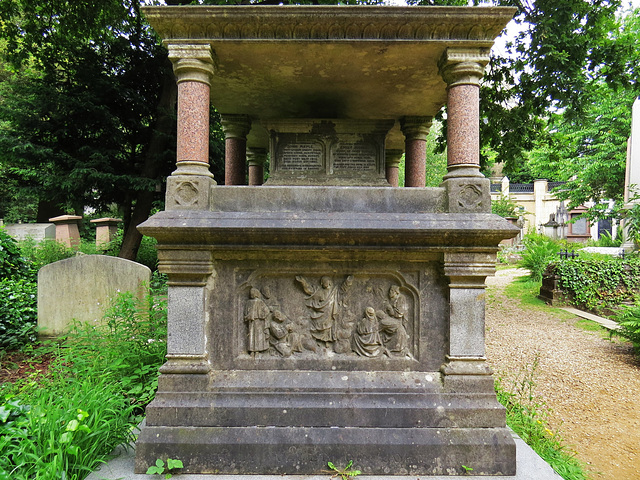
[322, 23]
[324, 315]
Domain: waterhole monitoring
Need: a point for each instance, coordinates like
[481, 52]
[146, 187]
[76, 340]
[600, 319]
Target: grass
[528, 417]
[64, 423]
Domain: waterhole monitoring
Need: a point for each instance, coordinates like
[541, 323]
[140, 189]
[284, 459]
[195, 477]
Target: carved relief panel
[307, 315]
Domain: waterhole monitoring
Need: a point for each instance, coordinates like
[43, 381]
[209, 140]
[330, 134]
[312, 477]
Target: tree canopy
[87, 103]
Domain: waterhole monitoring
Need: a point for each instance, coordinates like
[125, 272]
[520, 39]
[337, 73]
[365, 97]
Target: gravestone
[82, 288]
[327, 316]
[35, 231]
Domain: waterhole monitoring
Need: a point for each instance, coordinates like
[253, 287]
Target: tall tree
[91, 122]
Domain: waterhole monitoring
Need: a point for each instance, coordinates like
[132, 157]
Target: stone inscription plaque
[300, 157]
[355, 157]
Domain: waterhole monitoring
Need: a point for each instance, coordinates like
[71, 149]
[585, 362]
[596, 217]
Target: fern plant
[629, 321]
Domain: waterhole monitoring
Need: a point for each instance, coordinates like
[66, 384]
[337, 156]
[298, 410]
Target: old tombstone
[36, 231]
[327, 316]
[81, 288]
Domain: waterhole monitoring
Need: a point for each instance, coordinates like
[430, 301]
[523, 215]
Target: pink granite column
[236, 128]
[415, 130]
[193, 66]
[462, 71]
[392, 161]
[256, 158]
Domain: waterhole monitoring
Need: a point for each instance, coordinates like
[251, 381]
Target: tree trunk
[164, 129]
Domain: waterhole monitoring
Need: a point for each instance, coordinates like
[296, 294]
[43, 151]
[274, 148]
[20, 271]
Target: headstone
[35, 231]
[82, 287]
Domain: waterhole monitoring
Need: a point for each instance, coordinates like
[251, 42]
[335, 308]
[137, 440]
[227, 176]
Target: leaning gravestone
[325, 315]
[82, 287]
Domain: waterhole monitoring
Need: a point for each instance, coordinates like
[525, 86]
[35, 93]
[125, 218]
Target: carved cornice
[352, 23]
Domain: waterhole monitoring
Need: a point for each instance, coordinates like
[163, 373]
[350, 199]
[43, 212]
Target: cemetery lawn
[587, 383]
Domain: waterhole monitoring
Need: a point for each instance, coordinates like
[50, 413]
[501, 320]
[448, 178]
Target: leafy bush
[18, 313]
[539, 251]
[505, 207]
[629, 321]
[12, 264]
[64, 424]
[147, 253]
[599, 284]
[40, 254]
[65, 431]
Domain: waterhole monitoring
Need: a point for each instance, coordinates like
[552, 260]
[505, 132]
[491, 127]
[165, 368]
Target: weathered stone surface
[328, 316]
[36, 231]
[81, 288]
[328, 152]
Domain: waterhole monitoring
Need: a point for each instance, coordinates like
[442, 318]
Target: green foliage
[12, 264]
[529, 418]
[599, 284]
[505, 207]
[632, 222]
[40, 254]
[159, 468]
[18, 313]
[147, 253]
[65, 430]
[132, 348]
[64, 424]
[606, 240]
[629, 322]
[539, 251]
[344, 473]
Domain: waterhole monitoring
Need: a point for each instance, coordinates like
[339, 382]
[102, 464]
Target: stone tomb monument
[327, 316]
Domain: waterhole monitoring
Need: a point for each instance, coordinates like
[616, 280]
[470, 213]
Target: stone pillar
[189, 274]
[467, 189]
[106, 229]
[392, 161]
[467, 273]
[67, 231]
[256, 158]
[415, 130]
[189, 185]
[236, 128]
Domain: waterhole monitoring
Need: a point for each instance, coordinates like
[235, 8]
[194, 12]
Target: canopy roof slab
[344, 62]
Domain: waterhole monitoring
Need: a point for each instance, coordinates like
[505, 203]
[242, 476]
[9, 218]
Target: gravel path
[590, 384]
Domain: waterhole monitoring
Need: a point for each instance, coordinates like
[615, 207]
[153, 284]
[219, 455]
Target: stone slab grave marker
[36, 231]
[81, 288]
[325, 315]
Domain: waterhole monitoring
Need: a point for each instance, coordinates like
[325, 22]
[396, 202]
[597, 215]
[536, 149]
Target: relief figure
[325, 303]
[283, 338]
[366, 337]
[256, 314]
[393, 321]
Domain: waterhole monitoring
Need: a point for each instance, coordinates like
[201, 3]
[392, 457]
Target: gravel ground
[590, 384]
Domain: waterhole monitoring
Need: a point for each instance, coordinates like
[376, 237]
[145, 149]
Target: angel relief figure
[325, 303]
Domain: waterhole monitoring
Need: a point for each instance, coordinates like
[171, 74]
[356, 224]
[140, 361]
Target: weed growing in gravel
[528, 417]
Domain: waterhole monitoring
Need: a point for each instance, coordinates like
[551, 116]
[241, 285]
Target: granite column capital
[415, 131]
